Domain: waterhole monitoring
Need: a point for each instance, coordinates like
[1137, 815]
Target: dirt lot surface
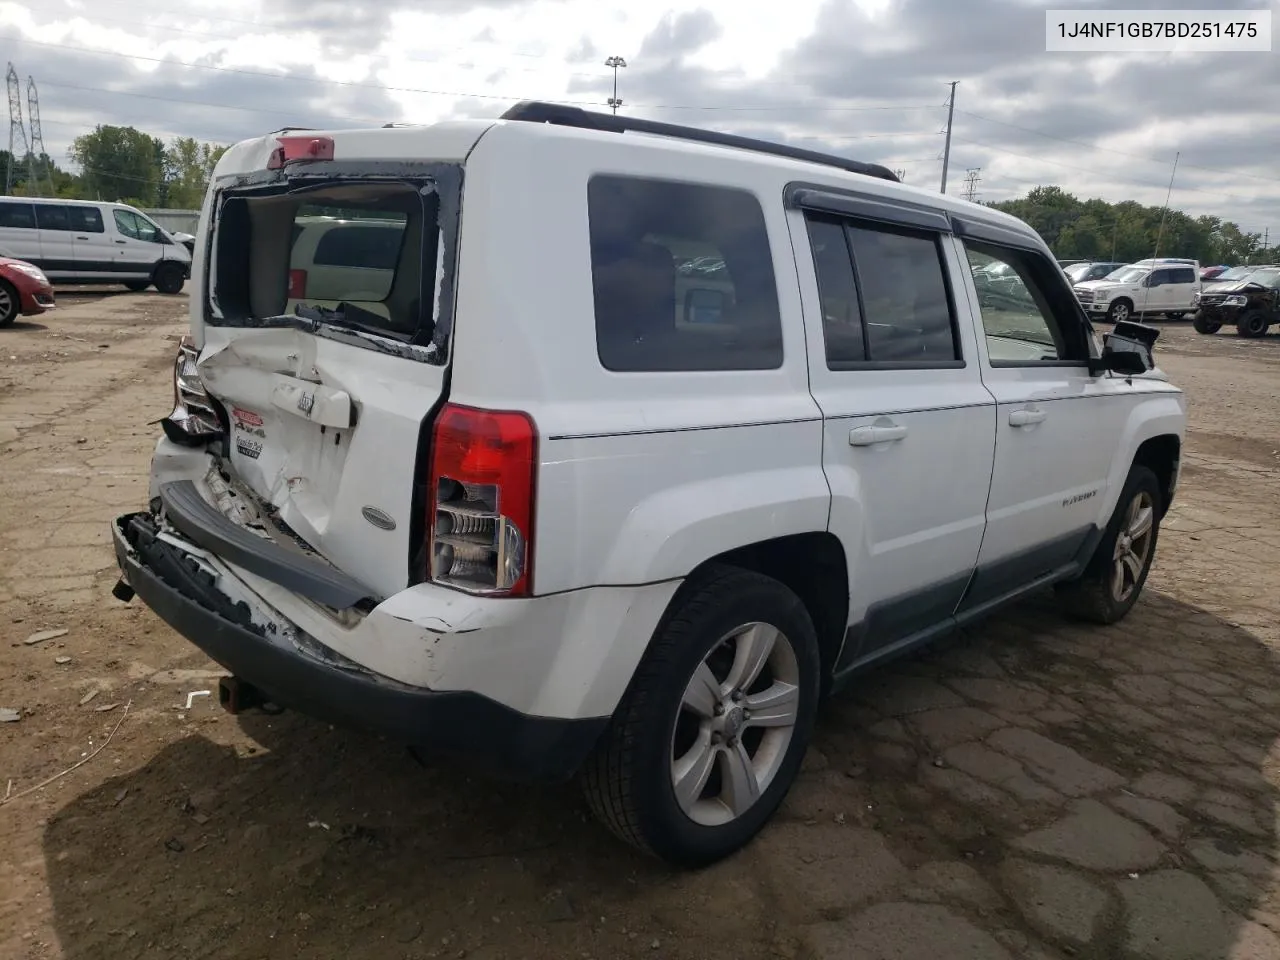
[1034, 789]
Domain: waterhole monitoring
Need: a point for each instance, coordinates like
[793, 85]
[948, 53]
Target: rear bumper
[498, 739]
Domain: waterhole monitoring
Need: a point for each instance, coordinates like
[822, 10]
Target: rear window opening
[364, 256]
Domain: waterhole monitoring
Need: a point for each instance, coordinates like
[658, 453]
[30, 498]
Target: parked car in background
[24, 290]
[1251, 303]
[1087, 270]
[79, 241]
[1209, 273]
[428, 520]
[1227, 277]
[1166, 286]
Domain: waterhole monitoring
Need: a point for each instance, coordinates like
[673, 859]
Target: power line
[1121, 153]
[461, 95]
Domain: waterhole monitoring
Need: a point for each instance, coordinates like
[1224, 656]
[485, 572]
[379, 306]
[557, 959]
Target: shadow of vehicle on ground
[1034, 789]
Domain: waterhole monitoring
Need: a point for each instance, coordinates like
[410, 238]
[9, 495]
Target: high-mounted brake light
[295, 149]
[297, 284]
[480, 527]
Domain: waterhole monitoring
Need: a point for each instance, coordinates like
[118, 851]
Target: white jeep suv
[651, 439]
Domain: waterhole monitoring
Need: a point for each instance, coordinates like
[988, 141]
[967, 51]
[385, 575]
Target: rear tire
[687, 719]
[170, 277]
[10, 303]
[1252, 324]
[1117, 571]
[137, 286]
[1205, 326]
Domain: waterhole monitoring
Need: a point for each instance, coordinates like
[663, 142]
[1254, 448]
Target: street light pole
[615, 63]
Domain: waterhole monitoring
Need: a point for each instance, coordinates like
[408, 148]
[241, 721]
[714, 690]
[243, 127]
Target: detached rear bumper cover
[472, 727]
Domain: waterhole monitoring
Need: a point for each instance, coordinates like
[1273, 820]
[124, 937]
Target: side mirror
[1127, 350]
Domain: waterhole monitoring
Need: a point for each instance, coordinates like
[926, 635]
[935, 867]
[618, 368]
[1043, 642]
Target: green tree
[120, 162]
[189, 164]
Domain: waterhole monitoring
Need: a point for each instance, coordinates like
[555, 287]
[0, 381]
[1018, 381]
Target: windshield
[1267, 278]
[362, 256]
[1077, 271]
[1128, 274]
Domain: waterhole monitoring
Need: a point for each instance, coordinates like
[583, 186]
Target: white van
[1165, 285]
[645, 439]
[80, 241]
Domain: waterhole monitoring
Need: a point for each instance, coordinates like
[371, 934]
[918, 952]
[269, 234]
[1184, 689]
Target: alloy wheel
[1133, 546]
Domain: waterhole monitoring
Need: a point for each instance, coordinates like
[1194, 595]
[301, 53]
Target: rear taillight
[297, 284]
[193, 415]
[295, 149]
[480, 529]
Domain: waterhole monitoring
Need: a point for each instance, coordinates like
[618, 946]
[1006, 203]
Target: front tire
[10, 303]
[1252, 324]
[1120, 311]
[710, 735]
[170, 277]
[1118, 569]
[1204, 325]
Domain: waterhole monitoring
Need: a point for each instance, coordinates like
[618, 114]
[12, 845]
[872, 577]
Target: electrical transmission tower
[901, 175]
[17, 132]
[38, 152]
[971, 181]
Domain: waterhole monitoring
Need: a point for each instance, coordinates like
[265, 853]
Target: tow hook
[237, 696]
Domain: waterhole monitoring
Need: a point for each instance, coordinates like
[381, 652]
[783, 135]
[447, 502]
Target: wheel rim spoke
[776, 706]
[1134, 565]
[1140, 523]
[741, 787]
[703, 693]
[691, 772]
[1117, 580]
[753, 647]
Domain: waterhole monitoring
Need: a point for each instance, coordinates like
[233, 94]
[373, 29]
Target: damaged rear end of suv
[288, 533]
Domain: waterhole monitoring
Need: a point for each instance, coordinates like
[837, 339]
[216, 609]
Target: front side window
[135, 227]
[1183, 275]
[682, 277]
[1129, 274]
[1026, 320]
[1160, 278]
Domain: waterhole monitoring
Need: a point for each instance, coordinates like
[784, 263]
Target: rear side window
[884, 293]
[18, 215]
[365, 248]
[86, 219]
[50, 217]
[682, 277]
[345, 254]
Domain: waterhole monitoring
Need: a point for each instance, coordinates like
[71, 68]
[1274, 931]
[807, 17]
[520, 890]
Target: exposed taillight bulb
[480, 525]
[297, 284]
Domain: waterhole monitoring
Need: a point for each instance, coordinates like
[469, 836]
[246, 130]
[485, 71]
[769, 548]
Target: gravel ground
[1034, 789]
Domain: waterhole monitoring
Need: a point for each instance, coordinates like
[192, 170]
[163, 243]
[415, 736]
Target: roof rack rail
[537, 111]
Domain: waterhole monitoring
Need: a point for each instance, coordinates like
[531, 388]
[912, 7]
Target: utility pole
[1165, 211]
[17, 131]
[971, 181]
[615, 63]
[1265, 232]
[946, 150]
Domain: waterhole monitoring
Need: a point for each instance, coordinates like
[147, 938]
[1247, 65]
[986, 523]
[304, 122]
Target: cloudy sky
[865, 78]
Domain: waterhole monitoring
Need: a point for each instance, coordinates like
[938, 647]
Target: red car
[24, 290]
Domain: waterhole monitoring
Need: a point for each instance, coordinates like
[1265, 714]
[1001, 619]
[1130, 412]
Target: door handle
[1023, 418]
[867, 436]
[122, 242]
[82, 238]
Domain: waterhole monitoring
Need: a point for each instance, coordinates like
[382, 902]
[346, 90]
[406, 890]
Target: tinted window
[18, 215]
[1183, 275]
[1160, 277]
[906, 306]
[682, 277]
[373, 248]
[837, 291]
[86, 219]
[50, 217]
[1027, 320]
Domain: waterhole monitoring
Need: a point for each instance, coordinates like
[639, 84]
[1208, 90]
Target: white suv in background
[649, 439]
[83, 241]
[1166, 286]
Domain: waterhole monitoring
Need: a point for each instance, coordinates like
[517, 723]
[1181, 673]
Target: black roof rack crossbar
[537, 111]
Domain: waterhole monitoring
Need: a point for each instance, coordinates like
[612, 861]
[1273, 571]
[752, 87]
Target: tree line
[1128, 231]
[121, 164]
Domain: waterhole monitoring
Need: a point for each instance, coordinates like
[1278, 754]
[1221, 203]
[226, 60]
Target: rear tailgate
[325, 398]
